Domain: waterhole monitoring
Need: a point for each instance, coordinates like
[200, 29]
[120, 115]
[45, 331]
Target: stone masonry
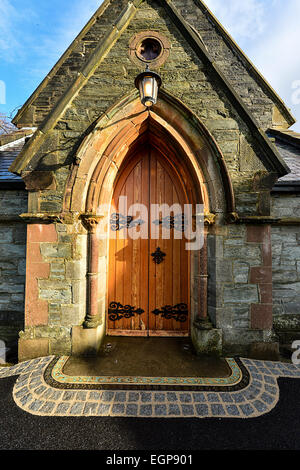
[12, 264]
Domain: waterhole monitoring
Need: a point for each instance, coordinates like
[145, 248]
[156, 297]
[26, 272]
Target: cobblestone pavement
[32, 394]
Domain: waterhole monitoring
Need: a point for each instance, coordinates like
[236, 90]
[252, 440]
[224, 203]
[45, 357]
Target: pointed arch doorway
[149, 277]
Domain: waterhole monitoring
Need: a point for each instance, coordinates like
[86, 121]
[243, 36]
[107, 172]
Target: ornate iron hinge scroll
[120, 221]
[177, 312]
[176, 222]
[158, 256]
[117, 311]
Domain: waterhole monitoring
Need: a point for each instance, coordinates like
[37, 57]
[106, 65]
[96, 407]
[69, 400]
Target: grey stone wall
[286, 266]
[12, 265]
[231, 288]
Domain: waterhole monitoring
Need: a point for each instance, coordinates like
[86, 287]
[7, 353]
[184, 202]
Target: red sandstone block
[267, 252]
[33, 253]
[261, 316]
[261, 275]
[266, 293]
[258, 233]
[42, 233]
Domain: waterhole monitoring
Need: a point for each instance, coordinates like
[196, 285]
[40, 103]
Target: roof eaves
[287, 136]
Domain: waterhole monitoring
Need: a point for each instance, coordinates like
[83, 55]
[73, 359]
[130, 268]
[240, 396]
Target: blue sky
[34, 34]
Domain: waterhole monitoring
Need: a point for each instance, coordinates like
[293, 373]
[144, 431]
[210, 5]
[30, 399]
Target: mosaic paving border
[55, 377]
[33, 395]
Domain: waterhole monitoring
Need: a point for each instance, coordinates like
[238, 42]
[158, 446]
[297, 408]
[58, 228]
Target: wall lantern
[148, 84]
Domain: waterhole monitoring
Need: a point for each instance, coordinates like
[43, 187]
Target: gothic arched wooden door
[148, 279]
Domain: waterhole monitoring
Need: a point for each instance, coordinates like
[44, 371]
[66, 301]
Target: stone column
[202, 321]
[93, 318]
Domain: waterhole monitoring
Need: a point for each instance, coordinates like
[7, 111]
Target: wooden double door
[148, 279]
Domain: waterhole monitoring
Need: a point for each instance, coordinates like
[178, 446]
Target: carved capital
[90, 222]
[232, 217]
[209, 218]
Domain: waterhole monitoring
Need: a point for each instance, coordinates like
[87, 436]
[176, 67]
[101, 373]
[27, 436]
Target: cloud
[269, 33]
[244, 19]
[8, 43]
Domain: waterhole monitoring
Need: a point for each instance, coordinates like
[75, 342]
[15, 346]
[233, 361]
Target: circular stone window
[149, 47]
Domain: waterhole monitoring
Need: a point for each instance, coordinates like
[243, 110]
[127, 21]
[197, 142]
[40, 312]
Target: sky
[35, 33]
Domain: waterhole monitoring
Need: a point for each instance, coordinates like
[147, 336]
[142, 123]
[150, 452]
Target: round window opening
[149, 49]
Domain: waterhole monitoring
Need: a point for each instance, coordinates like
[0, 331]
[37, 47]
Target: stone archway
[99, 158]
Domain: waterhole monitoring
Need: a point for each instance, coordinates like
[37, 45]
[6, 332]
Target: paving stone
[81, 395]
[217, 410]
[103, 409]
[118, 408]
[256, 383]
[95, 396]
[199, 397]
[270, 389]
[26, 399]
[226, 397]
[260, 406]
[160, 410]
[257, 376]
[36, 405]
[146, 397]
[238, 397]
[251, 393]
[174, 409]
[201, 410]
[185, 397]
[56, 394]
[267, 398]
[22, 392]
[133, 396]
[48, 407]
[120, 396]
[107, 396]
[146, 410]
[187, 410]
[232, 410]
[132, 410]
[171, 396]
[247, 409]
[77, 408]
[213, 397]
[90, 408]
[62, 408]
[161, 397]
[69, 395]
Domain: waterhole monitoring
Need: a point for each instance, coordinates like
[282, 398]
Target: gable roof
[288, 145]
[10, 147]
[40, 95]
[269, 154]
